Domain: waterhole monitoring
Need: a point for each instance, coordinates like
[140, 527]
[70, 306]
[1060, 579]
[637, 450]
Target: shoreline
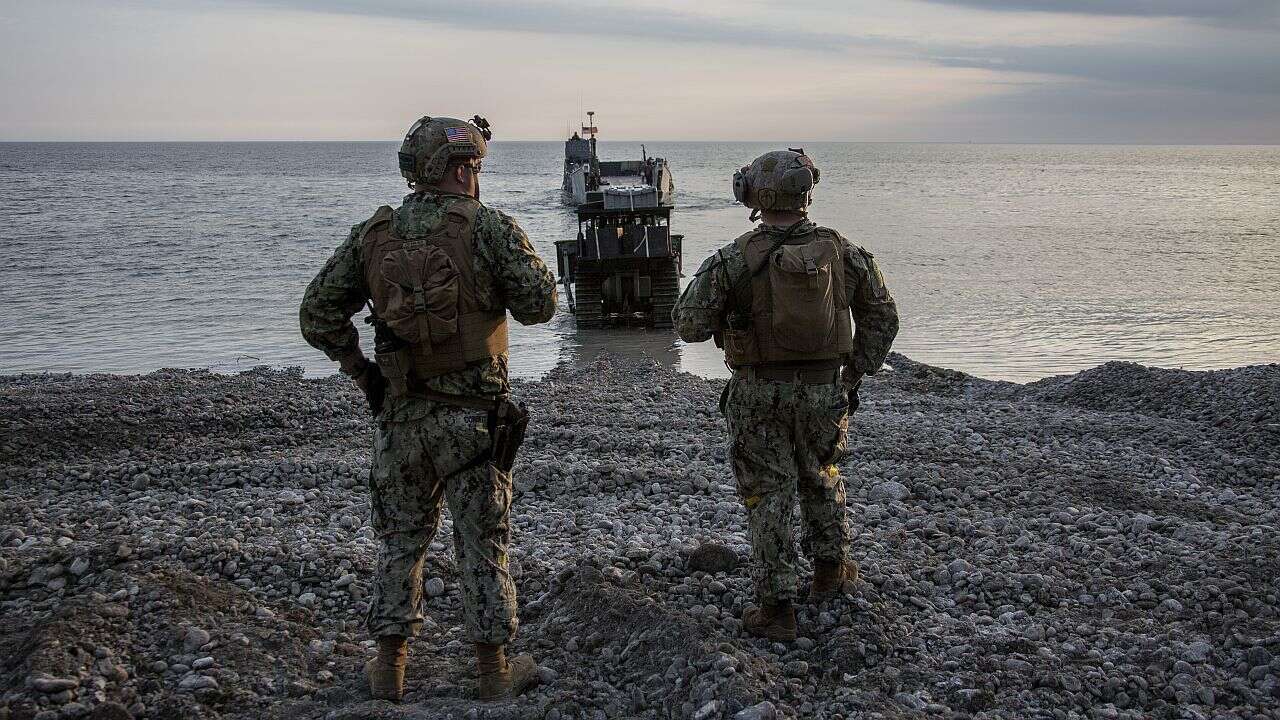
[670, 356]
[1106, 543]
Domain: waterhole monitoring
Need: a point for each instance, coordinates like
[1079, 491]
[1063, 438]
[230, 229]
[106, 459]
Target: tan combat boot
[829, 577]
[386, 671]
[774, 622]
[500, 679]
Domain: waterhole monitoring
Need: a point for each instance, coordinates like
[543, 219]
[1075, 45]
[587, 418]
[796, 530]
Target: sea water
[1008, 261]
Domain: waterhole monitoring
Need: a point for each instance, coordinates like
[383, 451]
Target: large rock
[53, 684]
[890, 490]
[197, 682]
[763, 711]
[195, 638]
[713, 557]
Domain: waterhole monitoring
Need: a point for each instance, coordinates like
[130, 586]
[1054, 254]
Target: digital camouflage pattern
[778, 180]
[432, 142]
[508, 274]
[786, 438]
[418, 467]
[420, 445]
[702, 309]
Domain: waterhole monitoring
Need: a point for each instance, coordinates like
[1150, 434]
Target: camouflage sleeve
[335, 294]
[875, 315]
[699, 313]
[522, 280]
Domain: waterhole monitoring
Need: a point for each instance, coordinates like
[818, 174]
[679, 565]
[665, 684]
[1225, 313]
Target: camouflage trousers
[418, 465]
[785, 439]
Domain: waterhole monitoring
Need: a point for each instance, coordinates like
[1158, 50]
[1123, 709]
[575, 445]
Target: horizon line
[1223, 143]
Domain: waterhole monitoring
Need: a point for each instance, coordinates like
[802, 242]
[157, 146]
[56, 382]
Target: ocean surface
[1008, 261]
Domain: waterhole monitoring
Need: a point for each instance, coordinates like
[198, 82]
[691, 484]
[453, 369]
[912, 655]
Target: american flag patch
[457, 134]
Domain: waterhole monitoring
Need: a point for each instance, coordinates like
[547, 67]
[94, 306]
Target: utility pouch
[802, 279]
[740, 344]
[507, 424]
[391, 354]
[395, 366]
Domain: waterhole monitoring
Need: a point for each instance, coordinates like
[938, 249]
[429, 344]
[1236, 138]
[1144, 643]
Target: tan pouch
[802, 279]
[421, 287]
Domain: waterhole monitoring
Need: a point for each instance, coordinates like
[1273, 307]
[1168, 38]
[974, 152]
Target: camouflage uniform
[786, 438]
[423, 449]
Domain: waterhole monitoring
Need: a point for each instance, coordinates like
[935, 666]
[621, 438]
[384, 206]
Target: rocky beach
[186, 544]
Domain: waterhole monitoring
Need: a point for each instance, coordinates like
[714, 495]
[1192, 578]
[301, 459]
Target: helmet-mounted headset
[777, 181]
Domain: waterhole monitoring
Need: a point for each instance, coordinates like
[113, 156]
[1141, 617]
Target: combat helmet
[778, 180]
[432, 142]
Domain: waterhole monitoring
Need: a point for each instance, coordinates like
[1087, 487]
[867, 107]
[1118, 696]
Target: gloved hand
[367, 376]
[853, 380]
[373, 385]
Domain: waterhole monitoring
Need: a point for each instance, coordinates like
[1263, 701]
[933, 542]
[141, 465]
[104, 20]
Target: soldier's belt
[507, 423]
[804, 375]
[477, 402]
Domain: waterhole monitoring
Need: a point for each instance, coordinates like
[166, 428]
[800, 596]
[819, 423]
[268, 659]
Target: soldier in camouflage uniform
[778, 300]
[440, 272]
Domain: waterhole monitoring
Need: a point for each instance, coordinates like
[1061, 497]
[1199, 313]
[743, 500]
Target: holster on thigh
[507, 423]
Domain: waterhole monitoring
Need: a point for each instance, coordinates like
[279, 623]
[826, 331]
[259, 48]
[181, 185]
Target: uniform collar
[419, 196]
[804, 226]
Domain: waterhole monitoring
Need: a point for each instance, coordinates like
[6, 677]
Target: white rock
[434, 587]
[890, 490]
[763, 711]
[195, 682]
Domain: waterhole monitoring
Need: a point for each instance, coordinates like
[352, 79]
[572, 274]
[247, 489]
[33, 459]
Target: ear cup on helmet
[796, 181]
[778, 180]
[408, 165]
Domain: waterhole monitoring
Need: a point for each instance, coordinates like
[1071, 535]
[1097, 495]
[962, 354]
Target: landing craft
[624, 267]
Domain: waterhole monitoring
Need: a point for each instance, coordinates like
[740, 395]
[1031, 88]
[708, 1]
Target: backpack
[424, 290]
[799, 311]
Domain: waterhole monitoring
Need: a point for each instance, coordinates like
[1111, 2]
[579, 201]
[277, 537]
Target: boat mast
[594, 167]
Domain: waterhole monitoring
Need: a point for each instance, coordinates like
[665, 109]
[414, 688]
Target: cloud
[1212, 10]
[1085, 111]
[600, 20]
[1047, 76]
[1206, 64]
[1195, 61]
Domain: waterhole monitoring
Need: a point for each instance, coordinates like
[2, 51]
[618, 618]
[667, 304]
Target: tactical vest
[799, 312]
[424, 289]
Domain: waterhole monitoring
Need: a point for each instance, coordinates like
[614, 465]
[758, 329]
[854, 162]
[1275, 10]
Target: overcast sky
[1161, 71]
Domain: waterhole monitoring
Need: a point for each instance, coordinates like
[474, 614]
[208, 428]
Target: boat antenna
[590, 128]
